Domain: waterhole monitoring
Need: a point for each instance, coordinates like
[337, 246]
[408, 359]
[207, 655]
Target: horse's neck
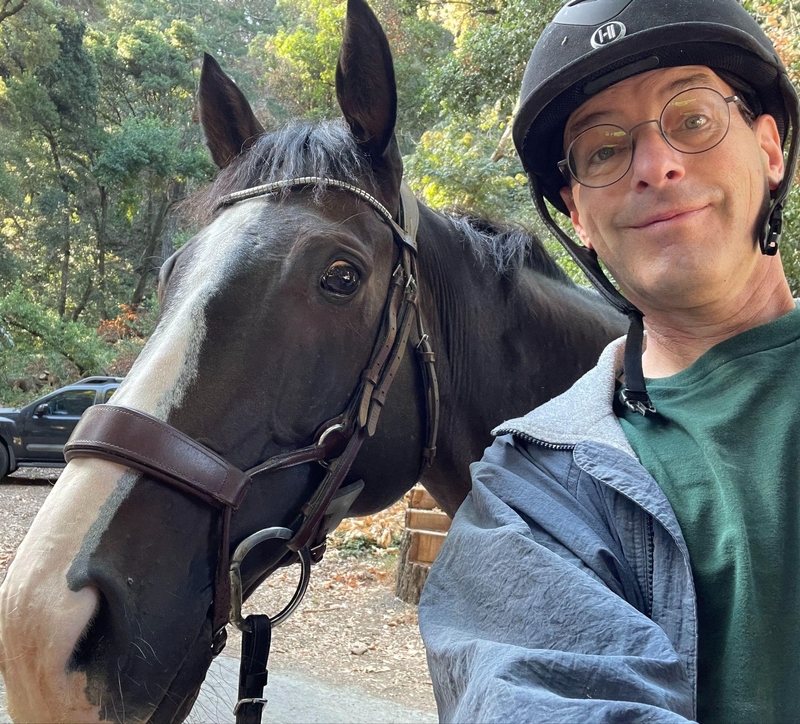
[504, 345]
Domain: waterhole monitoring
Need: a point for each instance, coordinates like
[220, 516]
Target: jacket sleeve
[530, 613]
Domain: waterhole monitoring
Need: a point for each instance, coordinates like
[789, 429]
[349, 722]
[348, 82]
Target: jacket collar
[582, 413]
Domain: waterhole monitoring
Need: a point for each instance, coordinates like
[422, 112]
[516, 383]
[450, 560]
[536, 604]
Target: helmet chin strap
[634, 391]
[771, 231]
[773, 224]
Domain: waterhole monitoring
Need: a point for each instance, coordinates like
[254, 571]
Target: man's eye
[694, 122]
[605, 153]
[340, 278]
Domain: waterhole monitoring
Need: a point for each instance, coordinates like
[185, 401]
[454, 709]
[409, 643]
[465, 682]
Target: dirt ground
[349, 629]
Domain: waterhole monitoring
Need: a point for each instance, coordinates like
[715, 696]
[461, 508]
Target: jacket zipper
[650, 534]
[536, 441]
[650, 553]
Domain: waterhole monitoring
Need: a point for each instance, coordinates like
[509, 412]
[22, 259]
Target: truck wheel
[3, 460]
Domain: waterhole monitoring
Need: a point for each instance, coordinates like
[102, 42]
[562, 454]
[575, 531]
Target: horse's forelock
[326, 149]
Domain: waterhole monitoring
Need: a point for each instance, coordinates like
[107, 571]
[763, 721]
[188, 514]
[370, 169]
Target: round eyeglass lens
[600, 155]
[693, 121]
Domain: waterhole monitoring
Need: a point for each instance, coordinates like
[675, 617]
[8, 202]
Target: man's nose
[655, 163]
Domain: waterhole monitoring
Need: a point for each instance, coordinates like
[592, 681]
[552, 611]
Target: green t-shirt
[725, 447]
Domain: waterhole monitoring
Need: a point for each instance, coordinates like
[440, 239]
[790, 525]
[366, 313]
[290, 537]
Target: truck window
[72, 403]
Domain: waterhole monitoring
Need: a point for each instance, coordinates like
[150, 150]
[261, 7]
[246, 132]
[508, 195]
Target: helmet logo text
[607, 33]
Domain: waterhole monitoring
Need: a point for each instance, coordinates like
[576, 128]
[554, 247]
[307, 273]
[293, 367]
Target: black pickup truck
[36, 434]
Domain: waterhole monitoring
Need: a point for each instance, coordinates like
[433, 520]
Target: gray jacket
[563, 592]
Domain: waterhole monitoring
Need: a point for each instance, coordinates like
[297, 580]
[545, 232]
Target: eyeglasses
[693, 121]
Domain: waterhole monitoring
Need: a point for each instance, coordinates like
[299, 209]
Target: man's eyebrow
[676, 86]
[585, 122]
[692, 81]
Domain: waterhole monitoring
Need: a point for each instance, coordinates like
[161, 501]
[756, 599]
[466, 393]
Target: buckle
[256, 700]
[637, 402]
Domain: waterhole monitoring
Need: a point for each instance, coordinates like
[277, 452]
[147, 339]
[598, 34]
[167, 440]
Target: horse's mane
[327, 149]
[506, 247]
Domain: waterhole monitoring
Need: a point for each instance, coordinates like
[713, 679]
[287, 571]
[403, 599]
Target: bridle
[142, 442]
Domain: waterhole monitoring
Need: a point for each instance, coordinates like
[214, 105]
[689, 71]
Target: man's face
[677, 231]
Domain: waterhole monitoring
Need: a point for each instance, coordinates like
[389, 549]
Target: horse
[271, 317]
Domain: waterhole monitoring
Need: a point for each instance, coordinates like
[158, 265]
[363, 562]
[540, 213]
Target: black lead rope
[256, 641]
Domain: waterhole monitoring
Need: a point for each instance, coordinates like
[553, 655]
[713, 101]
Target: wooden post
[426, 528]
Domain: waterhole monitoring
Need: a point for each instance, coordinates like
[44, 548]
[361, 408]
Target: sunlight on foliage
[100, 143]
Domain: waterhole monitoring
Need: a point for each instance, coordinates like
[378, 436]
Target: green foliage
[35, 329]
[362, 546]
[452, 167]
[790, 240]
[780, 21]
[99, 141]
[299, 60]
[148, 144]
[355, 546]
[492, 49]
[419, 46]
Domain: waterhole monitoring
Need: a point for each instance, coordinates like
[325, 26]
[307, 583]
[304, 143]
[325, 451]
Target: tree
[98, 144]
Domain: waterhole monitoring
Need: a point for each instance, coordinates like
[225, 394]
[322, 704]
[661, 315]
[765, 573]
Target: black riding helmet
[593, 44]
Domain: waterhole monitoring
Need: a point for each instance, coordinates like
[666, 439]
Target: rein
[134, 439]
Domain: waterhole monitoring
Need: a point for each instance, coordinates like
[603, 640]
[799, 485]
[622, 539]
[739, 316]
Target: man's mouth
[666, 217]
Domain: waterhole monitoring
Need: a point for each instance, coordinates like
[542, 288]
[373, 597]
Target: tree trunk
[64, 271]
[411, 576]
[66, 246]
[156, 227]
[7, 9]
[174, 192]
[87, 292]
[102, 228]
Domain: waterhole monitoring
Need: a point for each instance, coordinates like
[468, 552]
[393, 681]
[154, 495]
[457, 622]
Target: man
[630, 550]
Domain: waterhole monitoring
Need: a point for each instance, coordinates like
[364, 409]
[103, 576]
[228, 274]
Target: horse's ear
[365, 85]
[227, 119]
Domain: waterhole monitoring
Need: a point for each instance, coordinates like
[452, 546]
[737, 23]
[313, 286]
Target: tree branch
[7, 12]
[19, 325]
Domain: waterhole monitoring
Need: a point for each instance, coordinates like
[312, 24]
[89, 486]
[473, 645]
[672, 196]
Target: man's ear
[574, 215]
[770, 141]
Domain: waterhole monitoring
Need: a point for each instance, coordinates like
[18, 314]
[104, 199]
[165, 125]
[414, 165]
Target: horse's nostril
[90, 640]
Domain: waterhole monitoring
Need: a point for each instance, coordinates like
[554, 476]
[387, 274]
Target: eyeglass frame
[747, 114]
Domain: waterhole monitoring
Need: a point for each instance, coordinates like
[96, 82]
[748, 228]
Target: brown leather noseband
[153, 447]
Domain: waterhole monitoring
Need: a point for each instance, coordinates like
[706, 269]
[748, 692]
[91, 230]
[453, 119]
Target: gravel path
[350, 627]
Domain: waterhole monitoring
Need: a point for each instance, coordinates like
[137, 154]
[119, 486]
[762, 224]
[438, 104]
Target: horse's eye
[340, 278]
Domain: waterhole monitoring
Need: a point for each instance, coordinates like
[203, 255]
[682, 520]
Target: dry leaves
[382, 529]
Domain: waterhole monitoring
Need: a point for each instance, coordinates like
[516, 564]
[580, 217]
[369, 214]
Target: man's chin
[674, 286]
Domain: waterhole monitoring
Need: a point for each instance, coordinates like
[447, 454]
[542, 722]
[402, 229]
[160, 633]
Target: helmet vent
[590, 12]
[626, 71]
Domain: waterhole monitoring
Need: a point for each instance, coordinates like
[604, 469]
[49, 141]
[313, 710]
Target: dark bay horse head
[269, 317]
